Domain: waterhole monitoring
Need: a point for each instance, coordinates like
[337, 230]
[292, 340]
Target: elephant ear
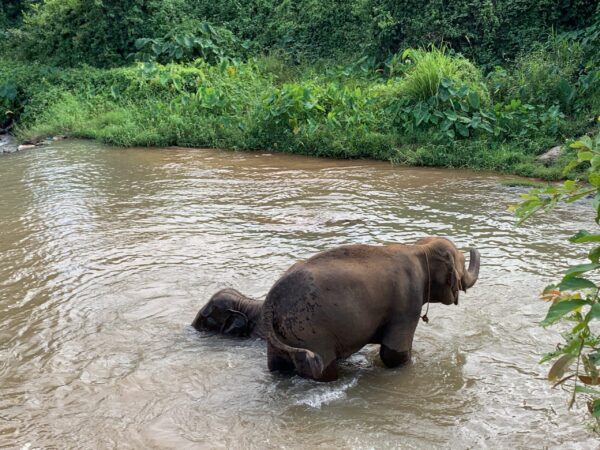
[453, 275]
[236, 324]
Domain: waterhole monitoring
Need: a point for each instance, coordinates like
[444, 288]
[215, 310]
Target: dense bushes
[484, 30]
[103, 32]
[443, 112]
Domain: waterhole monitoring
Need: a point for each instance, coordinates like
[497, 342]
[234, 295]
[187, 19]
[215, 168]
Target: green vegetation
[103, 32]
[267, 75]
[576, 298]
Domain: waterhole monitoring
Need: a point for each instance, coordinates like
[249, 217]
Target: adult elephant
[231, 312]
[331, 305]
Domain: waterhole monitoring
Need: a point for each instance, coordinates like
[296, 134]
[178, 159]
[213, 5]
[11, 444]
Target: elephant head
[447, 271]
[229, 312]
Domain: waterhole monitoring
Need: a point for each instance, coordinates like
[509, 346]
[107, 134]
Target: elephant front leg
[396, 344]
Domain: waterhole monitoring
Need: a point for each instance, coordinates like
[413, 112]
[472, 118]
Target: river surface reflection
[107, 254]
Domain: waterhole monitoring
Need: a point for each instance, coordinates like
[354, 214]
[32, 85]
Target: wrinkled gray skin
[232, 313]
[331, 305]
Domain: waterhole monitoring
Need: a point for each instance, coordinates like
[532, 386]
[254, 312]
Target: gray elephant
[232, 313]
[331, 305]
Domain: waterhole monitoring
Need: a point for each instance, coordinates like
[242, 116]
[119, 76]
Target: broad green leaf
[594, 255]
[474, 99]
[581, 268]
[594, 179]
[558, 310]
[575, 284]
[445, 81]
[594, 312]
[487, 127]
[446, 124]
[585, 156]
[595, 408]
[586, 390]
[560, 366]
[584, 236]
[577, 195]
[549, 356]
[475, 122]
[582, 143]
[451, 116]
[572, 347]
[569, 167]
[463, 130]
[141, 43]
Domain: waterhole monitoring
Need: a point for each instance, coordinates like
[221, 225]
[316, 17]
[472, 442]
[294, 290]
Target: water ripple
[107, 254]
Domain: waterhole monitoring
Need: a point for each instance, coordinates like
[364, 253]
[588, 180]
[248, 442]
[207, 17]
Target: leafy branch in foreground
[576, 297]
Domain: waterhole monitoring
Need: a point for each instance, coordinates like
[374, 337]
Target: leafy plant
[210, 43]
[575, 299]
[454, 111]
[518, 119]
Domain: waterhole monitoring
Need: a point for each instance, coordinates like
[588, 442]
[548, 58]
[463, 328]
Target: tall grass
[427, 68]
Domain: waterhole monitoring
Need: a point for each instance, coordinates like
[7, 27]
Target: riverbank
[433, 109]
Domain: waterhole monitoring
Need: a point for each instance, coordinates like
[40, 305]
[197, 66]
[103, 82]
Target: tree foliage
[575, 299]
[103, 32]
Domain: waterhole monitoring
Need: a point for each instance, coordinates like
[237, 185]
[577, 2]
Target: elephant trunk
[472, 274]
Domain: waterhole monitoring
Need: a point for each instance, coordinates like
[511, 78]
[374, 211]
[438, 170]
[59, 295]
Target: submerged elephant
[331, 305]
[230, 312]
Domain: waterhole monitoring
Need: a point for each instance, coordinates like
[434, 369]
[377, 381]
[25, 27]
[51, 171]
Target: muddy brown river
[107, 254]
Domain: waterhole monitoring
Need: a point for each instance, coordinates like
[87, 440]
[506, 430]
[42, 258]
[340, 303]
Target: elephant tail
[306, 361]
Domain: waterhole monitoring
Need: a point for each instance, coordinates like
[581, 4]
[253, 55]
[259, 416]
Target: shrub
[453, 111]
[212, 44]
[543, 76]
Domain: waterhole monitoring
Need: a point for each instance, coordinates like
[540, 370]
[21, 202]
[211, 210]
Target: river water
[107, 254]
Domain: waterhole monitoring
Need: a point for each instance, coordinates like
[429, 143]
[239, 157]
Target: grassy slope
[249, 106]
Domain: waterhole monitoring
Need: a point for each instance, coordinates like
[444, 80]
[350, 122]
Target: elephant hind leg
[315, 367]
[328, 373]
[305, 363]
